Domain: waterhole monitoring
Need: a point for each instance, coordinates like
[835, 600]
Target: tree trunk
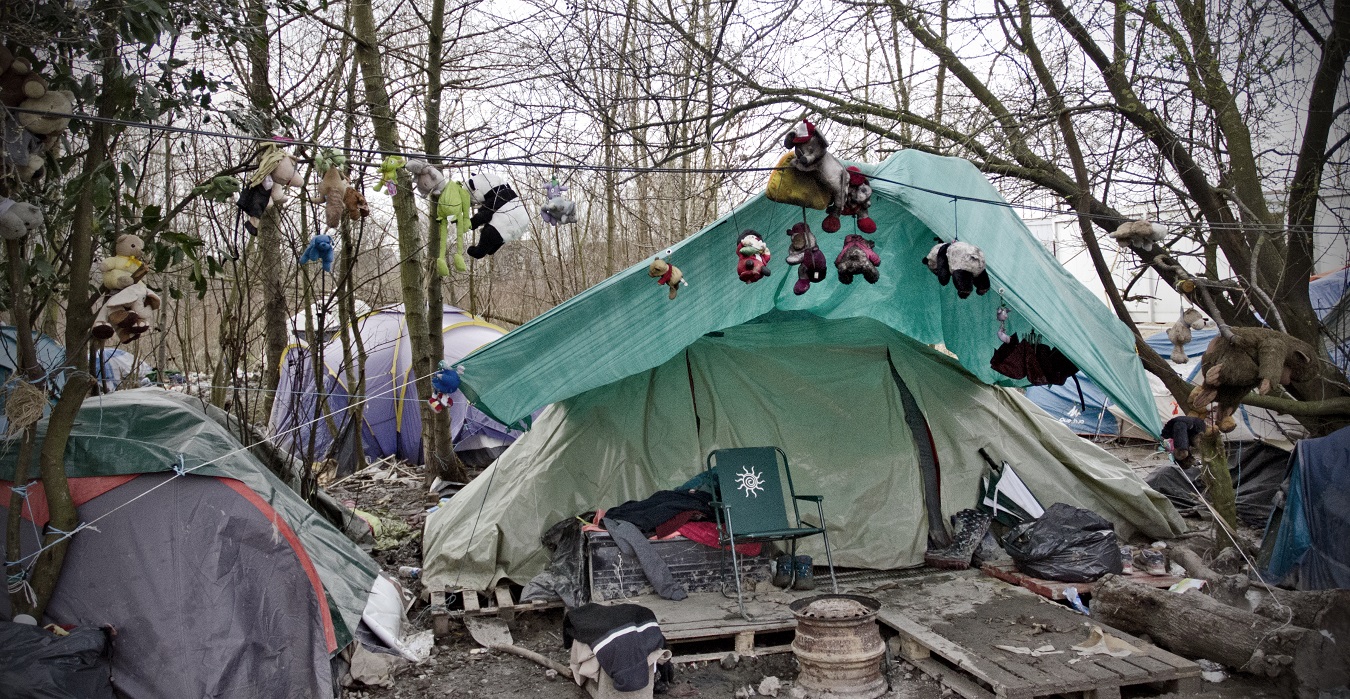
[1219, 486]
[27, 370]
[1196, 626]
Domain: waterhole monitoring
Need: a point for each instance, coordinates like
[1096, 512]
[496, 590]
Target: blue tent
[1312, 538]
[50, 355]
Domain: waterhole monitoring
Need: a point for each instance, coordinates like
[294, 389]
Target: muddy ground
[458, 667]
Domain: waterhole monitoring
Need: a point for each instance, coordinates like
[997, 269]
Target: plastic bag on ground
[36, 663]
[1067, 543]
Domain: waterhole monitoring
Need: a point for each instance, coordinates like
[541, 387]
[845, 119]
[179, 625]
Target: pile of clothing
[623, 640]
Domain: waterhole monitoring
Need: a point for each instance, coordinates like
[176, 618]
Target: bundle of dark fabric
[625, 639]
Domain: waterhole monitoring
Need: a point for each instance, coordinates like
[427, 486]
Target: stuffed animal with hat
[320, 249]
[814, 158]
[501, 214]
[443, 383]
[1180, 333]
[857, 257]
[960, 263]
[126, 313]
[752, 257]
[19, 219]
[557, 209]
[856, 204]
[666, 274]
[124, 268]
[805, 253]
[1140, 234]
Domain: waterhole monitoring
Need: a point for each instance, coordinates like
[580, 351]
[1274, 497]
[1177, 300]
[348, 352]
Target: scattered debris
[770, 686]
[1211, 671]
[1046, 649]
[1100, 642]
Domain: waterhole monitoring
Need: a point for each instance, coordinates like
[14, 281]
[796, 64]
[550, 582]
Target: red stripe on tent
[82, 490]
[329, 634]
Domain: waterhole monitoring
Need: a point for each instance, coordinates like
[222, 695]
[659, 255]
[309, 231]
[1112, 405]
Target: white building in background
[1155, 301]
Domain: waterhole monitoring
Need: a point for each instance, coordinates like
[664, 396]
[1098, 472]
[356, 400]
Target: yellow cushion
[787, 185]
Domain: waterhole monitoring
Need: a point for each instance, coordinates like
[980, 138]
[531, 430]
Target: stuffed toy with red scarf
[857, 257]
[752, 263]
[666, 274]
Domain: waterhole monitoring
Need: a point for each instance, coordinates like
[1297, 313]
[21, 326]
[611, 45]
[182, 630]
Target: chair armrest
[812, 498]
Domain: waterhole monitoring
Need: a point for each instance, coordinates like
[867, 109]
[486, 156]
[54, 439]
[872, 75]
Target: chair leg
[736, 566]
[825, 534]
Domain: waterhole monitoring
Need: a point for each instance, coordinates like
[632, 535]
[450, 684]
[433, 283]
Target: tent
[112, 365]
[50, 355]
[220, 582]
[1311, 546]
[392, 414]
[641, 388]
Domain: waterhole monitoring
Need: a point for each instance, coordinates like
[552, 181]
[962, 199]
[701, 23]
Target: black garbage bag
[1066, 543]
[36, 663]
[565, 577]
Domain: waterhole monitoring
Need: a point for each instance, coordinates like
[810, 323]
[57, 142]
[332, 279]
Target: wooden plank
[1157, 671]
[440, 615]
[715, 656]
[1104, 692]
[714, 629]
[1129, 674]
[1005, 684]
[1054, 589]
[745, 643]
[505, 606]
[470, 600]
[954, 679]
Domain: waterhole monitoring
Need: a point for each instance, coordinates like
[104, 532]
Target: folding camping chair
[750, 505]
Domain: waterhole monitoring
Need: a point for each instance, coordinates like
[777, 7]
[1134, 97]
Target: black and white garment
[622, 637]
[500, 214]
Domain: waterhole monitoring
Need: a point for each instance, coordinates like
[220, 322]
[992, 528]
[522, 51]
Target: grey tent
[221, 582]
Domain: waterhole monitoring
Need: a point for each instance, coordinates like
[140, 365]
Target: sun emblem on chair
[749, 481]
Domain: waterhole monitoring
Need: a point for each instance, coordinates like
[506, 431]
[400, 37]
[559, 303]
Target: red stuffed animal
[856, 203]
[752, 253]
[857, 257]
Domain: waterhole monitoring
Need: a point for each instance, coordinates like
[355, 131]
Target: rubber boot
[804, 581]
[782, 571]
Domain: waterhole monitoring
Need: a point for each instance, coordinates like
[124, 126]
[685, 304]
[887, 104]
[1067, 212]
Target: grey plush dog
[813, 158]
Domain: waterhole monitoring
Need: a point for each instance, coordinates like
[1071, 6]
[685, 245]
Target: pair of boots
[793, 572]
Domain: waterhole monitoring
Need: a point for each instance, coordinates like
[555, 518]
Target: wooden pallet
[1053, 589]
[499, 602]
[986, 673]
[702, 618]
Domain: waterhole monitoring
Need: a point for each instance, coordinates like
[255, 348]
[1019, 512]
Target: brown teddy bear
[331, 193]
[1256, 358]
[667, 274]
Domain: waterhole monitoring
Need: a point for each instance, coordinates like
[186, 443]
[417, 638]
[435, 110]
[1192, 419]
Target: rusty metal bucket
[839, 647]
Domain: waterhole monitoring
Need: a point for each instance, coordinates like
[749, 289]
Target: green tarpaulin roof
[626, 324]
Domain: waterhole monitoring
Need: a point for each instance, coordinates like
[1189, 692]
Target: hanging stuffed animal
[1180, 435]
[428, 179]
[788, 185]
[320, 249]
[126, 313]
[19, 219]
[752, 257]
[501, 215]
[443, 383]
[332, 188]
[856, 204]
[28, 136]
[812, 157]
[354, 203]
[667, 274]
[389, 174]
[857, 257]
[959, 263]
[805, 253]
[1140, 234]
[1180, 333]
[1256, 358]
[557, 209]
[453, 204]
[267, 184]
[124, 268]
[1002, 315]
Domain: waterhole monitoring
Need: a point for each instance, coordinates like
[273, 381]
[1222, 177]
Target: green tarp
[626, 325]
[820, 389]
[152, 431]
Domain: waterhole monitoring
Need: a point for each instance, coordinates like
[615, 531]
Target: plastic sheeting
[1313, 541]
[392, 411]
[820, 390]
[149, 430]
[38, 664]
[625, 325]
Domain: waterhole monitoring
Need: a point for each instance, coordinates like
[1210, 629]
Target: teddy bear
[856, 203]
[125, 267]
[806, 254]
[960, 263]
[1256, 358]
[667, 274]
[285, 173]
[443, 383]
[557, 209]
[752, 257]
[331, 191]
[18, 80]
[501, 215]
[1180, 333]
[19, 219]
[54, 101]
[267, 184]
[126, 313]
[1140, 234]
[427, 178]
[355, 204]
[857, 257]
[320, 249]
[809, 147]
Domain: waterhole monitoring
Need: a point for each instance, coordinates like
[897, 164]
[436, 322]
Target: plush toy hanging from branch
[667, 274]
[960, 263]
[443, 384]
[19, 219]
[28, 136]
[752, 257]
[1254, 358]
[501, 215]
[267, 184]
[1140, 234]
[127, 303]
[337, 195]
[389, 173]
[453, 204]
[806, 255]
[1180, 333]
[557, 209]
[856, 204]
[857, 258]
[320, 249]
[810, 177]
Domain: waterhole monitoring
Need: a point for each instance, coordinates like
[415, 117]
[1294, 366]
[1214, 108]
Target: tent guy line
[464, 161]
[178, 471]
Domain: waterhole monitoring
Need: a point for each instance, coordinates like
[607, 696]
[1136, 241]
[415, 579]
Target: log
[1196, 626]
[531, 655]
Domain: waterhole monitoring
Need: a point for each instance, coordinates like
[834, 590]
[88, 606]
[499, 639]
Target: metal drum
[839, 647]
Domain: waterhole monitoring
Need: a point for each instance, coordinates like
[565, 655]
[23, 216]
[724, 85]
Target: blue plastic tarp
[1313, 542]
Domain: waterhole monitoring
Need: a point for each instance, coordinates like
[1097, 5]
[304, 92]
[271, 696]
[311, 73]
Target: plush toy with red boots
[857, 257]
[806, 255]
[856, 203]
[752, 253]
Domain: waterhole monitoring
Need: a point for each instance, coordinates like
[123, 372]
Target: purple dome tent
[392, 424]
